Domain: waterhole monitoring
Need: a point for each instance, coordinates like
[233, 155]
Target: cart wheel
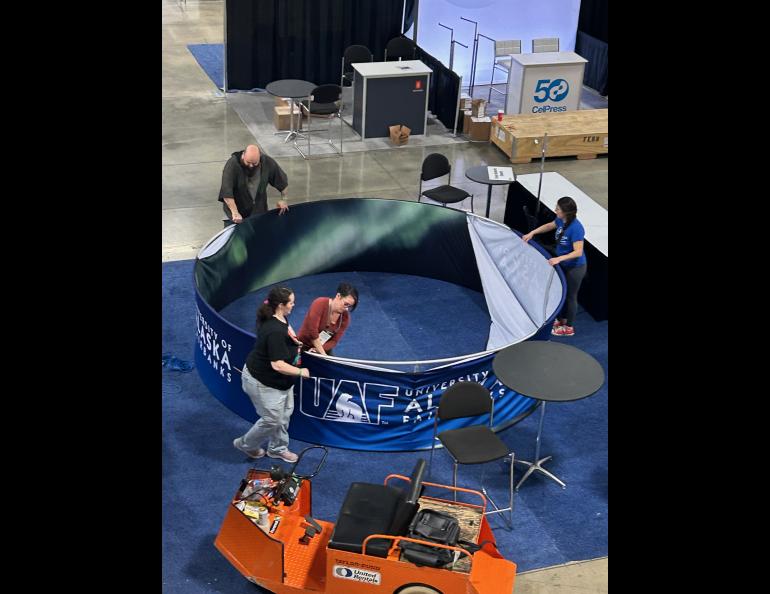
[416, 589]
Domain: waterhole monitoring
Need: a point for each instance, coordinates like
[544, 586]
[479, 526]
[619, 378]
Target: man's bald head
[251, 155]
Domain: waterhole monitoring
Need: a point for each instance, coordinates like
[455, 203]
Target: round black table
[550, 372]
[479, 174]
[292, 88]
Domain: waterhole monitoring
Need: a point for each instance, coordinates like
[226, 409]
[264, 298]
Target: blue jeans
[274, 408]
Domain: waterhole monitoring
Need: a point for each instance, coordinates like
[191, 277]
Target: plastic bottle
[263, 521]
[499, 115]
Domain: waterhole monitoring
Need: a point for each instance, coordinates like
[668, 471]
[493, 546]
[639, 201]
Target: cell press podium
[390, 93]
[544, 82]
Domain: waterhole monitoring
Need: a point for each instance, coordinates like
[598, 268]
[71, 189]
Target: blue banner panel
[221, 350]
[383, 411]
[344, 406]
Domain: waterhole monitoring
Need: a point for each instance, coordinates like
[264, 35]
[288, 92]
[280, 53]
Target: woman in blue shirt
[569, 253]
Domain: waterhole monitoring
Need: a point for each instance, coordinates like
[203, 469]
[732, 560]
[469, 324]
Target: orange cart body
[278, 561]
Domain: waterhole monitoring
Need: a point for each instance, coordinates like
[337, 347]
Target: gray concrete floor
[201, 129]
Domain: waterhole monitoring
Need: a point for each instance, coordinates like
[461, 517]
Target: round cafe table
[293, 89]
[550, 372]
[479, 174]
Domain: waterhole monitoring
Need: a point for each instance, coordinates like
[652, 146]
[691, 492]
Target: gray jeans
[574, 277]
[274, 408]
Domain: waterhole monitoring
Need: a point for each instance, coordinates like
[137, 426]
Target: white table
[545, 82]
[390, 93]
[593, 216]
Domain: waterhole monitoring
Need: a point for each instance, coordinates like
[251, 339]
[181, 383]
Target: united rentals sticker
[358, 575]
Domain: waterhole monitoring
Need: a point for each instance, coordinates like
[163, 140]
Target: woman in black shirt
[268, 378]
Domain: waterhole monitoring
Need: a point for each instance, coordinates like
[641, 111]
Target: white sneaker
[258, 453]
[285, 455]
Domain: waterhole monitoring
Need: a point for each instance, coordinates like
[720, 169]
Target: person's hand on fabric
[283, 205]
[237, 218]
[554, 261]
[527, 237]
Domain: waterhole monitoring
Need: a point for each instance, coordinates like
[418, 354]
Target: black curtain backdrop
[270, 40]
[444, 87]
[592, 43]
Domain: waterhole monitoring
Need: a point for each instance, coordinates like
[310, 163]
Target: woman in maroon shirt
[327, 319]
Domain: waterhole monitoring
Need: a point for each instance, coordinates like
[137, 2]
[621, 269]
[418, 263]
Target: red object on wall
[418, 84]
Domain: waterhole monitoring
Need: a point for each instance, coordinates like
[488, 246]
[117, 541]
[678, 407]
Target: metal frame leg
[454, 474]
[489, 198]
[330, 117]
[509, 519]
[537, 464]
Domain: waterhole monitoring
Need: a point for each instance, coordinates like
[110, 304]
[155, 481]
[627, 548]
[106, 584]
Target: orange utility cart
[368, 551]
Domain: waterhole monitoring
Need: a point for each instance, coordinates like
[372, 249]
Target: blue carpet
[395, 321]
[211, 57]
[201, 470]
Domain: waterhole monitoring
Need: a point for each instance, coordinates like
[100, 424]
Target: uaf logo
[346, 410]
[552, 90]
[346, 401]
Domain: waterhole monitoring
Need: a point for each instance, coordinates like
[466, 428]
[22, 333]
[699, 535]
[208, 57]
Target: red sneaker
[563, 330]
[557, 322]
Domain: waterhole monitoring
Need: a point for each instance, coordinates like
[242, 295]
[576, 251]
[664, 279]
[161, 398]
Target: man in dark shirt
[244, 184]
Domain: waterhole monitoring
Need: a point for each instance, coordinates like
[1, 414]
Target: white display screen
[498, 19]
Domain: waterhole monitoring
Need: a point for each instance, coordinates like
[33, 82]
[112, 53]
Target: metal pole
[458, 43]
[457, 107]
[416, 18]
[472, 80]
[224, 80]
[451, 44]
[493, 56]
[492, 79]
[542, 166]
[539, 432]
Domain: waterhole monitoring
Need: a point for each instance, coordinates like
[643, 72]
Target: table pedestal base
[293, 132]
[537, 466]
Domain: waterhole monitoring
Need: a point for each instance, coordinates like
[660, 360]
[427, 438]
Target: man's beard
[250, 171]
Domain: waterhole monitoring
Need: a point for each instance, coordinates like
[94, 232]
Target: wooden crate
[582, 133]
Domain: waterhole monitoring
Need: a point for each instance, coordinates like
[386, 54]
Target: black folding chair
[435, 165]
[354, 54]
[400, 47]
[474, 444]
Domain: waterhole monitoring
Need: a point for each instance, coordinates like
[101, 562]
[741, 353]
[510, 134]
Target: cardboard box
[478, 108]
[281, 119]
[282, 101]
[399, 134]
[467, 122]
[465, 101]
[480, 128]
